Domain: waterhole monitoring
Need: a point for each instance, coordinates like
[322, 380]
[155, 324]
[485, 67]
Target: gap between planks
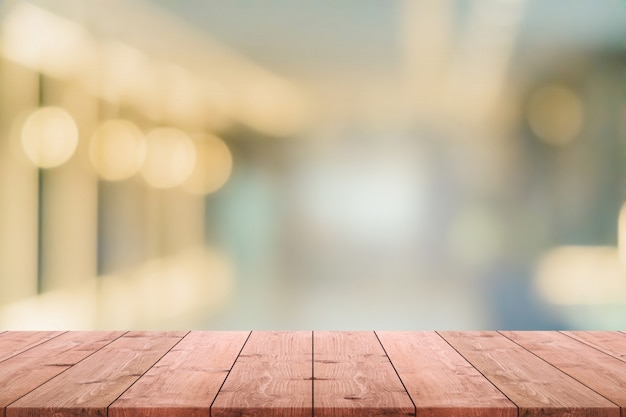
[90, 386]
[186, 380]
[603, 352]
[38, 365]
[605, 376]
[534, 385]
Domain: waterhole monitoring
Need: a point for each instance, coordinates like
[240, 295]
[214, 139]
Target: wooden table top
[198, 373]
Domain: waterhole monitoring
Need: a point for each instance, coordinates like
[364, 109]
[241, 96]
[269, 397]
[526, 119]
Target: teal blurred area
[415, 164]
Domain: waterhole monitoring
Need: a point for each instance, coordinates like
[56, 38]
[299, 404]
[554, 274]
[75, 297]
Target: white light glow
[170, 158]
[49, 137]
[117, 149]
[45, 42]
[582, 275]
[214, 164]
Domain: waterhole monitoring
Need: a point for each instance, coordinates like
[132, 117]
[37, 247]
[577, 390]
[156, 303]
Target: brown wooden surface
[186, 380]
[14, 343]
[534, 385]
[612, 343]
[23, 373]
[89, 387]
[271, 377]
[339, 374]
[603, 373]
[441, 382]
[353, 377]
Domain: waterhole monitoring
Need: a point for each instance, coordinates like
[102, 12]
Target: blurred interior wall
[69, 198]
[18, 187]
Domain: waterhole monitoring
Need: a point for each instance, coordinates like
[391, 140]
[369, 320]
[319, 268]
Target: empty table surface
[304, 373]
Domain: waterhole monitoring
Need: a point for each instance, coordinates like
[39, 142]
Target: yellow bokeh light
[47, 42]
[213, 166]
[49, 137]
[117, 149]
[581, 275]
[555, 114]
[170, 158]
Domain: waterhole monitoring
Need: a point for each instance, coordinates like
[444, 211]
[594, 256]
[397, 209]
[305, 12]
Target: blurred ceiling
[308, 39]
[361, 60]
[320, 38]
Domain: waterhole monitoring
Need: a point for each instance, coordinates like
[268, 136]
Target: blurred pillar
[477, 74]
[174, 221]
[121, 218]
[18, 187]
[69, 199]
[427, 37]
[183, 220]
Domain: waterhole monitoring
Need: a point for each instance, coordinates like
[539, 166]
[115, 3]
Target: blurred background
[416, 164]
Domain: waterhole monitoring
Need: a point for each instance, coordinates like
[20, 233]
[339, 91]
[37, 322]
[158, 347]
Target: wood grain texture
[271, 377]
[354, 377]
[452, 374]
[612, 343]
[186, 380]
[534, 385]
[22, 373]
[440, 382]
[89, 387]
[599, 371]
[14, 343]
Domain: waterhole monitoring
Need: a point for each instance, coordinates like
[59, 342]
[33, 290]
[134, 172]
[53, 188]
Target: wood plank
[534, 385]
[441, 382]
[601, 372]
[16, 342]
[354, 377]
[611, 343]
[89, 387]
[186, 380]
[271, 377]
[22, 373]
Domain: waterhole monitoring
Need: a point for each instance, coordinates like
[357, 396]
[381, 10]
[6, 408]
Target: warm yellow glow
[555, 114]
[217, 104]
[46, 42]
[582, 275]
[170, 158]
[184, 100]
[194, 282]
[274, 107]
[160, 294]
[69, 309]
[214, 163]
[129, 76]
[117, 150]
[49, 136]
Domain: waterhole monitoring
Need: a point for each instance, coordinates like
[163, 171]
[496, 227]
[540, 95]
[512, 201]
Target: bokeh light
[213, 166]
[49, 137]
[555, 114]
[47, 42]
[581, 275]
[170, 157]
[117, 149]
[414, 165]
